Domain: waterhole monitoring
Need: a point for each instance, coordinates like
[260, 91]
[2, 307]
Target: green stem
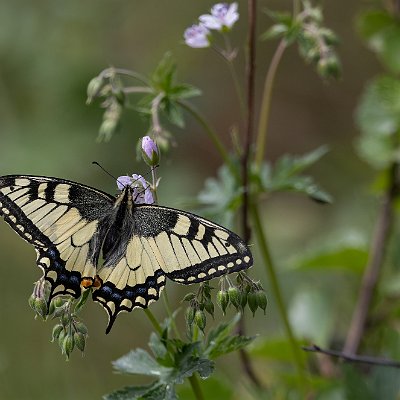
[153, 321]
[211, 134]
[169, 313]
[266, 103]
[194, 383]
[276, 290]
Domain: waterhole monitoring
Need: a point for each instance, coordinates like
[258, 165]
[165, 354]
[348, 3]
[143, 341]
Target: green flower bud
[234, 296]
[253, 302]
[58, 302]
[328, 67]
[80, 340]
[94, 87]
[40, 307]
[200, 319]
[189, 315]
[243, 299]
[56, 332]
[189, 297]
[68, 345]
[223, 300]
[60, 339]
[262, 300]
[81, 327]
[65, 318]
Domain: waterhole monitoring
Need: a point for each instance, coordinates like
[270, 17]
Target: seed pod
[200, 319]
[234, 296]
[262, 299]
[253, 302]
[223, 300]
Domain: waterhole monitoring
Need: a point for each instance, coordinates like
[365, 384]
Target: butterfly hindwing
[60, 218]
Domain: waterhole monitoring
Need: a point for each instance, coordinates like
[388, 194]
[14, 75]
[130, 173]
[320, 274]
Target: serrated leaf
[163, 75]
[140, 362]
[219, 341]
[173, 112]
[157, 347]
[184, 91]
[155, 391]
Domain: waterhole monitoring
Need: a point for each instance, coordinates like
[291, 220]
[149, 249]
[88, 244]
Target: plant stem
[266, 103]
[276, 290]
[193, 380]
[374, 265]
[122, 71]
[194, 383]
[153, 321]
[211, 134]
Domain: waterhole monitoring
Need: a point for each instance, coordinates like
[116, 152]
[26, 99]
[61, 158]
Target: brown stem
[250, 76]
[353, 358]
[372, 271]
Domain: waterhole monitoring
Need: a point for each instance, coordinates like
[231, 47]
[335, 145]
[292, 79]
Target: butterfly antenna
[104, 170]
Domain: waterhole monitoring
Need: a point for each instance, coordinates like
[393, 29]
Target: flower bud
[150, 152]
[243, 299]
[234, 296]
[56, 332]
[80, 340]
[189, 315]
[223, 300]
[93, 88]
[68, 345]
[81, 327]
[200, 319]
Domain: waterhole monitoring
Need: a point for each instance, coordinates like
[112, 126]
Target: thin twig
[353, 358]
[372, 271]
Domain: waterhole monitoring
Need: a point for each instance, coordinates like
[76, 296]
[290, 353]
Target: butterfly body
[124, 251]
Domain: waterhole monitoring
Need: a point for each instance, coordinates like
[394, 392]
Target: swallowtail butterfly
[85, 238]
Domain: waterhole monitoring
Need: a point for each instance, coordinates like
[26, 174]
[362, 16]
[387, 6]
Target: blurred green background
[50, 49]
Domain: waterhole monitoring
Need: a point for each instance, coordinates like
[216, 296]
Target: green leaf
[337, 255]
[157, 347]
[140, 362]
[184, 91]
[220, 197]
[285, 176]
[212, 388]
[381, 31]
[276, 31]
[164, 74]
[173, 112]
[155, 391]
[356, 388]
[378, 117]
[220, 342]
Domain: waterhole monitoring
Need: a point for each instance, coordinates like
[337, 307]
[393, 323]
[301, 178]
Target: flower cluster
[222, 18]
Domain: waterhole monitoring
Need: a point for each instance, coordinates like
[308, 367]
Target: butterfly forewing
[62, 220]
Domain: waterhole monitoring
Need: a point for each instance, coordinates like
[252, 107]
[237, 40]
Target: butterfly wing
[165, 242]
[65, 221]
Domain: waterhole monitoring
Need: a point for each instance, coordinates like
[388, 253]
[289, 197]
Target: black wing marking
[62, 220]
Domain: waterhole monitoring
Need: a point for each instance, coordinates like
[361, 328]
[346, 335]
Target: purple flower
[196, 36]
[141, 192]
[223, 16]
[123, 181]
[150, 151]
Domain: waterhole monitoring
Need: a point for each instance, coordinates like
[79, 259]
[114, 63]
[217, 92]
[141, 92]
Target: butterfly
[85, 238]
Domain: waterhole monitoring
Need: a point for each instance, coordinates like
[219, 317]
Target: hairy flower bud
[253, 302]
[262, 299]
[200, 319]
[189, 315]
[80, 340]
[234, 296]
[150, 152]
[223, 300]
[94, 87]
[56, 332]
